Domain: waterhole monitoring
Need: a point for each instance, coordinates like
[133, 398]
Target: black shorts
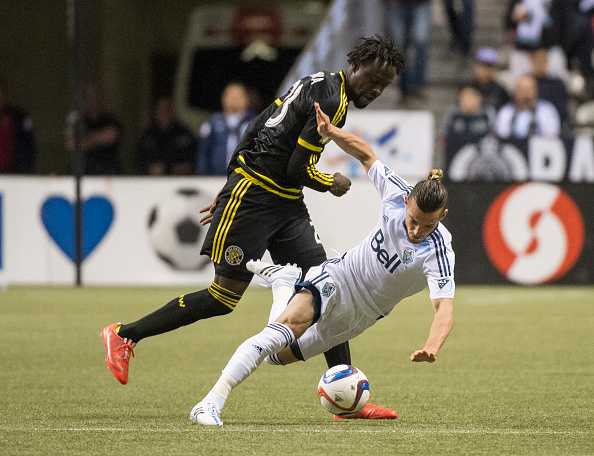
[250, 219]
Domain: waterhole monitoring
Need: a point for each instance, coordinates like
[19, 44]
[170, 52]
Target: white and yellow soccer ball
[343, 390]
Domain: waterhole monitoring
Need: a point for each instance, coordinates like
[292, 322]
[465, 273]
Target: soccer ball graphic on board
[174, 229]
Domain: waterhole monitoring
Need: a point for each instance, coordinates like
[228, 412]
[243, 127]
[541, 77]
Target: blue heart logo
[57, 214]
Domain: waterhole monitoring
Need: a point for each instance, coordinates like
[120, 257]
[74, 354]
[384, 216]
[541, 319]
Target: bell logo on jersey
[389, 262]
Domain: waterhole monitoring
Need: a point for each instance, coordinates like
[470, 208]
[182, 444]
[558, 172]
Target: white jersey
[369, 280]
[386, 267]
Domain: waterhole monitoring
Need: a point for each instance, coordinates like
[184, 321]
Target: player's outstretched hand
[210, 209]
[341, 185]
[324, 124]
[422, 355]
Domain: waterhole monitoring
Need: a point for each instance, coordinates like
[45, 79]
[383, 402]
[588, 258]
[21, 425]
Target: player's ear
[445, 212]
[406, 202]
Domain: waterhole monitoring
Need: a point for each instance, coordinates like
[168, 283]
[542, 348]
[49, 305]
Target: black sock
[182, 311]
[341, 354]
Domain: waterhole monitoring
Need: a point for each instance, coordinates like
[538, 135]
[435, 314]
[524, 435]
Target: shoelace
[124, 351]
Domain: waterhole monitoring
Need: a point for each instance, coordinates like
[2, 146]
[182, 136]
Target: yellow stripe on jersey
[266, 183]
[224, 296]
[343, 103]
[227, 219]
[314, 174]
[253, 180]
[278, 101]
[304, 143]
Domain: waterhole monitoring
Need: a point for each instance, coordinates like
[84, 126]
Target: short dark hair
[377, 51]
[430, 194]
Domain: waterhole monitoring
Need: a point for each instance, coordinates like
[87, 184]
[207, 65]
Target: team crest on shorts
[328, 289]
[409, 256]
[442, 283]
[233, 255]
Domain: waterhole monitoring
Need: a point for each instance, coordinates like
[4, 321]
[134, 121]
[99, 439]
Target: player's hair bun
[435, 174]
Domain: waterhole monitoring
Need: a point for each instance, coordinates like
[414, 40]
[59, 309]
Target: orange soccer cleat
[118, 352]
[370, 412]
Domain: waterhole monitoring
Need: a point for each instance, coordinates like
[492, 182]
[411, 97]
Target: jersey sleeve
[439, 265]
[388, 184]
[310, 145]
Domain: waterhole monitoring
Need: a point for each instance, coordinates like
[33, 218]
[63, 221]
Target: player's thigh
[296, 241]
[299, 313]
[242, 224]
[340, 319]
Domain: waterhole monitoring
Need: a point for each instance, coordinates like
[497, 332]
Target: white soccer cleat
[206, 413]
[290, 273]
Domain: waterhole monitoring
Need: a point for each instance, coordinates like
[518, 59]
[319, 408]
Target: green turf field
[516, 376]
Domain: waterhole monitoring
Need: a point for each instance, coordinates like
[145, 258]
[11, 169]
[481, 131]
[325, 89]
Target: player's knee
[225, 298]
[273, 360]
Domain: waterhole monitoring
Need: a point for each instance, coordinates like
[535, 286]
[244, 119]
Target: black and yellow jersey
[281, 147]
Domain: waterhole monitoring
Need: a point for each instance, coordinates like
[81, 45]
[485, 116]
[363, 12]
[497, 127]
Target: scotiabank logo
[533, 233]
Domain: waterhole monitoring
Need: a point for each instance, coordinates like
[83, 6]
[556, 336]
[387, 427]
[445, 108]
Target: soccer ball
[343, 390]
[174, 229]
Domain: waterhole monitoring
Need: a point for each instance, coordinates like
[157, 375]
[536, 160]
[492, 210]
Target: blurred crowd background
[510, 68]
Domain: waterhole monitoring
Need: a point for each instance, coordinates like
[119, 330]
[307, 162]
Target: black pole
[74, 14]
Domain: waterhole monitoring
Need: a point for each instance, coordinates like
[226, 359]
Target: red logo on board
[533, 233]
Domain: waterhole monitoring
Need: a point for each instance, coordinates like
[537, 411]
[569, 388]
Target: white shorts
[340, 319]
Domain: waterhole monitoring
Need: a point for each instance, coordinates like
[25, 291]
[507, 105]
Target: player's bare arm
[443, 321]
[350, 143]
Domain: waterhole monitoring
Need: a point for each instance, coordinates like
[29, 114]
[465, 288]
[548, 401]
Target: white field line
[305, 430]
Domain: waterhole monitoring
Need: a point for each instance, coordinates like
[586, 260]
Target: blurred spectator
[461, 24]
[101, 134]
[527, 115]
[409, 24]
[531, 26]
[166, 147]
[549, 88]
[17, 145]
[470, 117]
[220, 135]
[574, 18]
[494, 94]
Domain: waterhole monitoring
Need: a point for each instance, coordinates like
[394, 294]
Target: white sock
[281, 293]
[250, 354]
[246, 359]
[218, 394]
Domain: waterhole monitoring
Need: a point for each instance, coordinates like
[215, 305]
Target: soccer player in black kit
[261, 206]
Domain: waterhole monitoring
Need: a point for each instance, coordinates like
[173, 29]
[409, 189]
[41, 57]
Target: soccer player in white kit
[408, 250]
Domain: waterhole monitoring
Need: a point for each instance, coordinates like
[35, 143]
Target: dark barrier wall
[544, 159]
[529, 233]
